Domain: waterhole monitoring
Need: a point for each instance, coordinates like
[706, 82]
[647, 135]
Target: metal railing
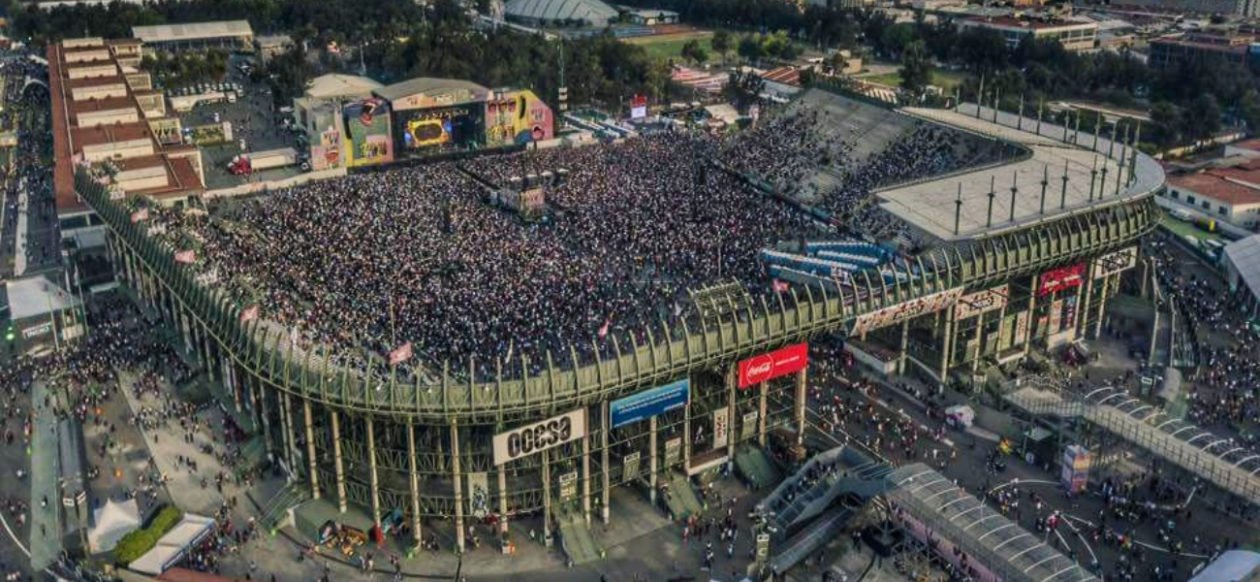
[270, 358]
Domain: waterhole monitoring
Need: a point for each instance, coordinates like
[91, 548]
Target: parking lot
[255, 123]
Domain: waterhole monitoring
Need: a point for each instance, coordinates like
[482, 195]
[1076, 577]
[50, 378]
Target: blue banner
[649, 403]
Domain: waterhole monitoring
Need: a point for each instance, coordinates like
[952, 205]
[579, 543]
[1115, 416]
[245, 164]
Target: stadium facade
[680, 401]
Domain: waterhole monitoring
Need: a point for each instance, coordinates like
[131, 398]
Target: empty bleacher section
[973, 536]
[830, 264]
[832, 152]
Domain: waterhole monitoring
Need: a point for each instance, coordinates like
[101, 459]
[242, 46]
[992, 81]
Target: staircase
[823, 530]
[682, 501]
[575, 536]
[756, 468]
[275, 511]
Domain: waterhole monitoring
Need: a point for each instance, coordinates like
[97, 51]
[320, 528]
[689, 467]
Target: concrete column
[339, 467]
[586, 477]
[546, 479]
[286, 426]
[947, 340]
[372, 477]
[1076, 315]
[414, 481]
[652, 459]
[686, 448]
[975, 356]
[457, 479]
[310, 447]
[801, 396]
[1089, 293]
[905, 344]
[1032, 307]
[503, 498]
[1102, 305]
[762, 408]
[731, 379]
[604, 491]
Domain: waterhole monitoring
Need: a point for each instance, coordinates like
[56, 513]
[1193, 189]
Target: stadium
[523, 333]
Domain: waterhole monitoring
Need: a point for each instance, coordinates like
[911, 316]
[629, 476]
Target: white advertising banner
[973, 304]
[721, 427]
[524, 441]
[905, 310]
[1115, 262]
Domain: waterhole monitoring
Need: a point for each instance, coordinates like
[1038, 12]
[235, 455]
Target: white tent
[172, 547]
[113, 520]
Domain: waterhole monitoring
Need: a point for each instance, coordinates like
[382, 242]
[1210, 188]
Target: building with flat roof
[591, 13]
[1199, 47]
[107, 120]
[1227, 194]
[225, 34]
[1074, 36]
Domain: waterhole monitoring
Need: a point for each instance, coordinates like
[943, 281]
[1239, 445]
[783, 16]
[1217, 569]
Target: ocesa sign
[533, 438]
[769, 366]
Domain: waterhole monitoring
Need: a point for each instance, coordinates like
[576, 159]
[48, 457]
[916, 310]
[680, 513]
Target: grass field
[946, 80]
[669, 46]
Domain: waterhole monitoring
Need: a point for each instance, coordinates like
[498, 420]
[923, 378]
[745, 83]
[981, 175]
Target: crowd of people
[417, 255]
[788, 150]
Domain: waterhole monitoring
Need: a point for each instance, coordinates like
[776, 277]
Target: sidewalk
[45, 538]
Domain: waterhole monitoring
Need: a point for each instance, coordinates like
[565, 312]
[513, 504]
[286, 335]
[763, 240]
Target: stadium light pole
[1045, 181]
[958, 209]
[1014, 192]
[1063, 192]
[992, 194]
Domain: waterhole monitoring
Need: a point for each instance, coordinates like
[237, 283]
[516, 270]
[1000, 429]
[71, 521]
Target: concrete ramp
[681, 499]
[756, 467]
[575, 537]
[809, 540]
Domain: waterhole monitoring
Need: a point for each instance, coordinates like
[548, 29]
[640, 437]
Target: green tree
[916, 68]
[721, 43]
[692, 51]
[750, 48]
[1249, 109]
[1167, 120]
[1202, 119]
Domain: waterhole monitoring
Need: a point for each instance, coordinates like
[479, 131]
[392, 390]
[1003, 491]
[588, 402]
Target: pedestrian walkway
[1180, 443]
[45, 542]
[575, 537]
[192, 491]
[681, 497]
[20, 243]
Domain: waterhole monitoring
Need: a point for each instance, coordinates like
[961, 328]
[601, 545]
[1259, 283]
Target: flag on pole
[603, 331]
[186, 257]
[780, 286]
[400, 354]
[137, 216]
[250, 313]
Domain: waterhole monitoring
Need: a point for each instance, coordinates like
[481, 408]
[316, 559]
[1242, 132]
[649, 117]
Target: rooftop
[192, 31]
[785, 75]
[1012, 22]
[336, 85]
[35, 297]
[423, 85]
[929, 205]
[103, 134]
[1217, 187]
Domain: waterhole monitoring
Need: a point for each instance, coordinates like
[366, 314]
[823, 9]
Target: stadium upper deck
[1081, 172]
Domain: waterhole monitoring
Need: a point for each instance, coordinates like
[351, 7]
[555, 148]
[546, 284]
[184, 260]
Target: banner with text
[1061, 279]
[973, 304]
[533, 438]
[900, 312]
[1115, 262]
[649, 403]
[721, 427]
[783, 361]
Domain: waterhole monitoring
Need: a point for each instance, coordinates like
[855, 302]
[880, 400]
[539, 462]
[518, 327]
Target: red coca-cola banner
[1061, 279]
[769, 366]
